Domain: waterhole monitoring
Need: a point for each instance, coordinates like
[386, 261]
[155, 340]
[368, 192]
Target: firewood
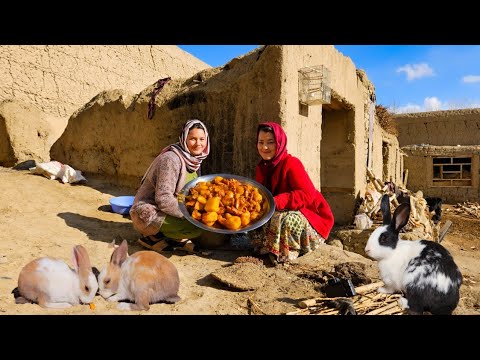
[296, 312]
[376, 183]
[393, 311]
[469, 211]
[358, 290]
[312, 302]
[382, 309]
[394, 201]
[369, 287]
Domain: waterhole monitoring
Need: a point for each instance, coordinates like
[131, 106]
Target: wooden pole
[444, 230]
[369, 287]
[405, 178]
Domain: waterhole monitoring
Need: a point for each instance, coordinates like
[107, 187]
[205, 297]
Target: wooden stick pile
[381, 188]
[470, 208]
[367, 302]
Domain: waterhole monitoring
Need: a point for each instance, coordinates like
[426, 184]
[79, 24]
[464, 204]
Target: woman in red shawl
[302, 218]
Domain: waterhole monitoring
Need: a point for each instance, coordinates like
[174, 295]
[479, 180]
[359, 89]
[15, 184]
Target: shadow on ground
[102, 184]
[101, 230]
[210, 281]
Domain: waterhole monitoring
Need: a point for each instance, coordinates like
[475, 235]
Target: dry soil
[42, 217]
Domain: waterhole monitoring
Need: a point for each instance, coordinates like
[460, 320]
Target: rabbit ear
[400, 217]
[385, 207]
[75, 259]
[120, 254]
[81, 261]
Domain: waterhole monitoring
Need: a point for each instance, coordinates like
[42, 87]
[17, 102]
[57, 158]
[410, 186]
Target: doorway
[337, 158]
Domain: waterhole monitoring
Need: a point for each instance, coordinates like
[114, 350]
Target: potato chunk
[213, 204]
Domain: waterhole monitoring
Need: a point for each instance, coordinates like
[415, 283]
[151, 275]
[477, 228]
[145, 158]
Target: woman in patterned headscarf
[155, 212]
[302, 218]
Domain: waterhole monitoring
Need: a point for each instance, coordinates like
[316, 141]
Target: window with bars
[452, 171]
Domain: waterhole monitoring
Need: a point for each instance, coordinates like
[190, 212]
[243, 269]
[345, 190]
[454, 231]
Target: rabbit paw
[403, 303]
[114, 298]
[385, 290]
[123, 306]
[58, 305]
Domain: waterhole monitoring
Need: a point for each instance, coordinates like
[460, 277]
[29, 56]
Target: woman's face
[266, 145]
[196, 141]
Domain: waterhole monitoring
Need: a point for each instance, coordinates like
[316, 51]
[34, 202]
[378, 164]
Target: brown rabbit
[53, 284]
[145, 277]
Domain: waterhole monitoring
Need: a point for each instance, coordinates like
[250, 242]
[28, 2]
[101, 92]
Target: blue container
[122, 204]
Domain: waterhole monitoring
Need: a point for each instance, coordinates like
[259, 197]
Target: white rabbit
[146, 277]
[53, 284]
[424, 271]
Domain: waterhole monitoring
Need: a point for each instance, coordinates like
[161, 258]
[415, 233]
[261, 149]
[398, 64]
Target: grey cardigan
[162, 181]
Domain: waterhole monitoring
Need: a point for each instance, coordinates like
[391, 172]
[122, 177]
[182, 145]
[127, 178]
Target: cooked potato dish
[225, 203]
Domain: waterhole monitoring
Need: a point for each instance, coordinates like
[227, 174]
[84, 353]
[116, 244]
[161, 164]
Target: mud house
[42, 86]
[442, 153]
[335, 132]
[335, 138]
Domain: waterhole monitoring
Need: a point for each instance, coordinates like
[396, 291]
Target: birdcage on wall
[314, 85]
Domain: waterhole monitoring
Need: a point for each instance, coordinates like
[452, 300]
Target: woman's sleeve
[167, 174]
[258, 176]
[302, 191]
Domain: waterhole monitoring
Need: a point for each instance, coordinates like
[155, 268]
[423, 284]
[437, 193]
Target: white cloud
[429, 104]
[432, 104]
[409, 108]
[471, 79]
[416, 71]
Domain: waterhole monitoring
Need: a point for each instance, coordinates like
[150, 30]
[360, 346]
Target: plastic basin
[122, 204]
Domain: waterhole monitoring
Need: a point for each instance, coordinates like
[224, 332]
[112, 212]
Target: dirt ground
[42, 217]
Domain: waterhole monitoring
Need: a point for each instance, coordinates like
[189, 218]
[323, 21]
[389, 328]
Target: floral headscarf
[192, 162]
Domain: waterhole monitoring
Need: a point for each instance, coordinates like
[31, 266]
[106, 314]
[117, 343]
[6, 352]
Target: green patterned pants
[287, 235]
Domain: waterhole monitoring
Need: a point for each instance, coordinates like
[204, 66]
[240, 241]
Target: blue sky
[407, 78]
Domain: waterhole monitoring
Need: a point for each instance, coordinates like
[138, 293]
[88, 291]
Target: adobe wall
[58, 79]
[419, 163]
[112, 135]
[449, 127]
[118, 140]
[450, 133]
[304, 129]
[24, 134]
[389, 156]
[54, 81]
[344, 176]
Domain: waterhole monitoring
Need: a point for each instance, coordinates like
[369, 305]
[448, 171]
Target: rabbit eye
[87, 289]
[382, 239]
[106, 281]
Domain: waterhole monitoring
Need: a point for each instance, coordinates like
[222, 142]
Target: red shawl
[286, 177]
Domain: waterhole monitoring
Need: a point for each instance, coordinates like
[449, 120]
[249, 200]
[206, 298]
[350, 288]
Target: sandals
[153, 242]
[189, 247]
[155, 245]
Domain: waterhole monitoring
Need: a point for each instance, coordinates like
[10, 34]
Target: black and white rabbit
[424, 271]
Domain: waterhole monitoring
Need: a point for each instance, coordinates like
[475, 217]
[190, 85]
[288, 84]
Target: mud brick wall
[59, 79]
